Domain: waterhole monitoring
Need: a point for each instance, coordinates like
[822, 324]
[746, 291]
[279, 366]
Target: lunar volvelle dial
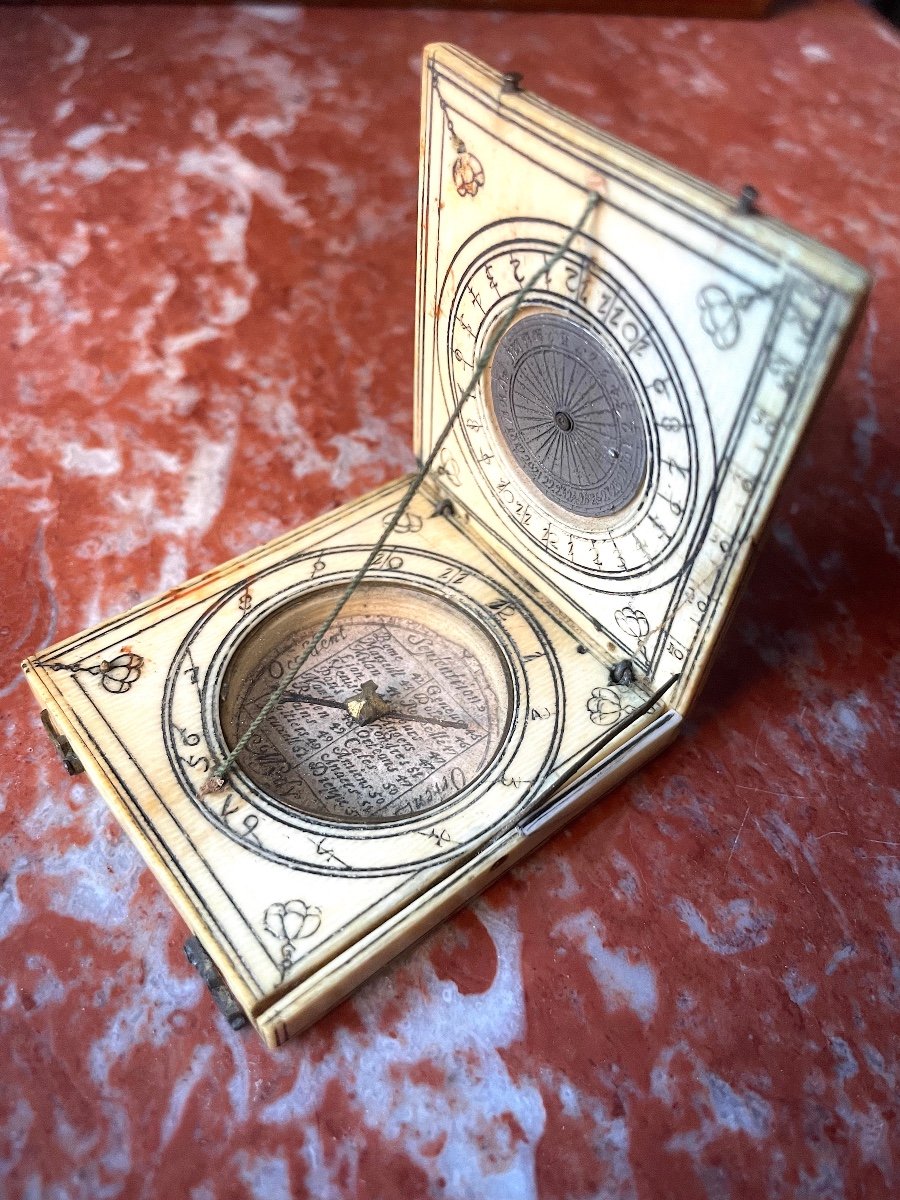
[568, 415]
[403, 704]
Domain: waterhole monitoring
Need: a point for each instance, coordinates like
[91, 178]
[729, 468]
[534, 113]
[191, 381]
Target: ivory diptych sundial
[326, 746]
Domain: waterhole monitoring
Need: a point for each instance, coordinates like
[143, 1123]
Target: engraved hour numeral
[386, 561]
[453, 576]
[194, 762]
[475, 296]
[502, 609]
[676, 468]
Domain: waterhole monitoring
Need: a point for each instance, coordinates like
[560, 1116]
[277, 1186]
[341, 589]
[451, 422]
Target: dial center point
[564, 421]
[366, 706]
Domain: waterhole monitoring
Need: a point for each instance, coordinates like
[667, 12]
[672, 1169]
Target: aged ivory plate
[531, 624]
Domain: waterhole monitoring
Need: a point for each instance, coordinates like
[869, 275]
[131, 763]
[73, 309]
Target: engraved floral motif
[720, 313]
[408, 523]
[117, 675]
[120, 674]
[632, 621]
[448, 467]
[719, 316]
[290, 923]
[604, 706]
[468, 174]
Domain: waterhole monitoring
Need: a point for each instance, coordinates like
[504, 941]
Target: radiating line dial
[568, 415]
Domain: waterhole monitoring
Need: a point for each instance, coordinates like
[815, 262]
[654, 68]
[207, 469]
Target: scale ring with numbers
[645, 513]
[327, 745]
[452, 654]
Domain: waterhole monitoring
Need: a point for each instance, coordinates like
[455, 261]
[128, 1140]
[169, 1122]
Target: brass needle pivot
[367, 706]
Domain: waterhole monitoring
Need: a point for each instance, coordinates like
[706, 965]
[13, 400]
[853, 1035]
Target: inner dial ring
[593, 288]
[568, 415]
[405, 703]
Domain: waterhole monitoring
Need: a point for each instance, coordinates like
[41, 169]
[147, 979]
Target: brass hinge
[71, 761]
[212, 977]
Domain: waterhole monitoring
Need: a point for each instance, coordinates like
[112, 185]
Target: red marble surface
[207, 229]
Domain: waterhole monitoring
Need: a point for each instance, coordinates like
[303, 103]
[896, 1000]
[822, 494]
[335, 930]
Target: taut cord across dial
[215, 781]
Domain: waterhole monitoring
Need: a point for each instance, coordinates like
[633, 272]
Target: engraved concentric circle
[438, 675]
[205, 693]
[569, 415]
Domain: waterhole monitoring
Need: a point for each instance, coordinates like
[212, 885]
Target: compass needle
[428, 686]
[299, 698]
